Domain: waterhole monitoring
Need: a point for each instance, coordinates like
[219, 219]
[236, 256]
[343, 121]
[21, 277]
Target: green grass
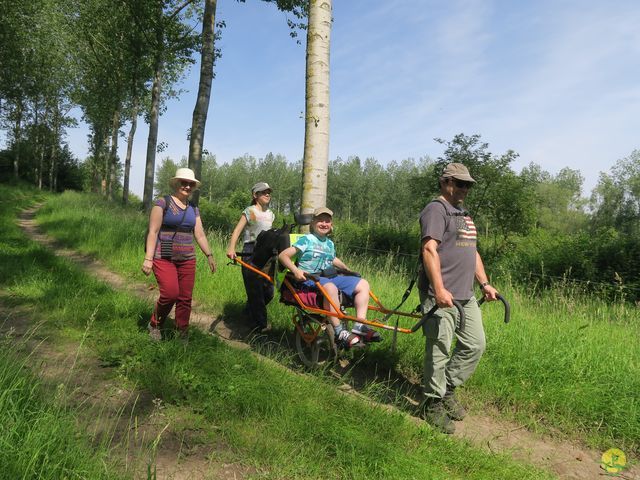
[567, 362]
[38, 436]
[282, 424]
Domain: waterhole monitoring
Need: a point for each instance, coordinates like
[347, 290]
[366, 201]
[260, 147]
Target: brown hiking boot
[453, 407]
[435, 414]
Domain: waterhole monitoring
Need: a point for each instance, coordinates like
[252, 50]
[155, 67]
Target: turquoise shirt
[315, 253]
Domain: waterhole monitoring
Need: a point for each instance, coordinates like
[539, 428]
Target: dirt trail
[566, 460]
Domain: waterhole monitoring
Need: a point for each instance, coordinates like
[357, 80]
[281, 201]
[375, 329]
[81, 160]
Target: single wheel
[315, 341]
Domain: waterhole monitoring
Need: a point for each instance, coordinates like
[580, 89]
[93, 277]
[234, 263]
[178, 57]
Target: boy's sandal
[349, 341]
[371, 336]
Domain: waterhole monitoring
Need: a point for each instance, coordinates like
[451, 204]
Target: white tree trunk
[316, 132]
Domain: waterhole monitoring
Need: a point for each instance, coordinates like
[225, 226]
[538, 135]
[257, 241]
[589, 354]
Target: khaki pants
[441, 369]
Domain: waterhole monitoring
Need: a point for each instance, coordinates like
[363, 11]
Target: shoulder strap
[461, 213]
[167, 199]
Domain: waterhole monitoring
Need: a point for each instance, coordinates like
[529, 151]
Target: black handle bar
[424, 318]
[507, 307]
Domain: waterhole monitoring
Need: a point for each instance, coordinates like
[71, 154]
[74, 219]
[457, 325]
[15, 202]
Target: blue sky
[556, 81]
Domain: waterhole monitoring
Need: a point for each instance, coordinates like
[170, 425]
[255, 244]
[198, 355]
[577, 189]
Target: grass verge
[281, 424]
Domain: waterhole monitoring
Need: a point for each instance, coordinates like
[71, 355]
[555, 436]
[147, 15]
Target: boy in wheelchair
[316, 255]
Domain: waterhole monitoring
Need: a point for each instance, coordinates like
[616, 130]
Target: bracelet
[148, 259]
[209, 255]
[484, 284]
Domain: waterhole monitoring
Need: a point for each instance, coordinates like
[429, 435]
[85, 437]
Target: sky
[554, 80]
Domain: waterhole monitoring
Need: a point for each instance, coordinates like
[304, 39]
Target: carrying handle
[425, 317]
[507, 307]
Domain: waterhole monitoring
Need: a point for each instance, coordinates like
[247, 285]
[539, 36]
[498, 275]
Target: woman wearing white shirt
[254, 219]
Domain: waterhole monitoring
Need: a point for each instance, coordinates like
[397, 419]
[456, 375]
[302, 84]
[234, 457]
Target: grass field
[282, 425]
[567, 362]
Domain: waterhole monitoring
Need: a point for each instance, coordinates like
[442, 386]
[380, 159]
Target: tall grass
[567, 362]
[282, 425]
[38, 435]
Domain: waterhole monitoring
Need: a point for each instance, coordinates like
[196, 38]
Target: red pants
[175, 281]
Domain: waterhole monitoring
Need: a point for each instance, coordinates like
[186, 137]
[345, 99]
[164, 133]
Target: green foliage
[616, 199]
[257, 409]
[551, 366]
[39, 436]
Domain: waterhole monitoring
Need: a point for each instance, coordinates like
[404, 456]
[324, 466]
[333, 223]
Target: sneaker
[367, 333]
[183, 336]
[265, 329]
[346, 339]
[154, 333]
[435, 414]
[454, 408]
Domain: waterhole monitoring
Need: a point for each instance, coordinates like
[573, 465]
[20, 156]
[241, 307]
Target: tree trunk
[207, 56]
[127, 161]
[54, 150]
[316, 132]
[152, 141]
[106, 166]
[112, 158]
[17, 133]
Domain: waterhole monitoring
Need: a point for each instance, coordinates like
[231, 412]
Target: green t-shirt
[316, 254]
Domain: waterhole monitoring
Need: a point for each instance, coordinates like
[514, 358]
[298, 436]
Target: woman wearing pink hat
[254, 219]
[170, 253]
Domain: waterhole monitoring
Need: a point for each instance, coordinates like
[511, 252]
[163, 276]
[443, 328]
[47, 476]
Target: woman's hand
[231, 253]
[147, 265]
[212, 263]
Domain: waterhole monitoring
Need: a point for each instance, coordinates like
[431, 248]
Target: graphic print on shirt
[466, 234]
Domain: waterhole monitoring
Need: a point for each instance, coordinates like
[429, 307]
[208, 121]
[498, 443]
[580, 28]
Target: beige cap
[183, 174]
[319, 211]
[260, 187]
[457, 171]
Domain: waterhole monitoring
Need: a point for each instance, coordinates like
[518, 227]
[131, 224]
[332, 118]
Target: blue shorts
[345, 283]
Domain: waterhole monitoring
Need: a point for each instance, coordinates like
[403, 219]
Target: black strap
[179, 226]
[461, 213]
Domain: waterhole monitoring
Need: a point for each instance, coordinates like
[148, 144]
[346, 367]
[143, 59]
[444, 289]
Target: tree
[501, 202]
[316, 132]
[207, 60]
[173, 45]
[615, 201]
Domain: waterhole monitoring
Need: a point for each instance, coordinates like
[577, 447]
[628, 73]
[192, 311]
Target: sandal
[367, 334]
[346, 339]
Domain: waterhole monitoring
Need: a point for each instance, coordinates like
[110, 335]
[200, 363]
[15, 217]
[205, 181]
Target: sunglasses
[462, 183]
[186, 183]
[264, 193]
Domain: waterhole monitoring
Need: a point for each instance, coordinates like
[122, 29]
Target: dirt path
[565, 460]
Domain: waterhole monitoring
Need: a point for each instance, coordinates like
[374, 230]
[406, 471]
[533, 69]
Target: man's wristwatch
[483, 284]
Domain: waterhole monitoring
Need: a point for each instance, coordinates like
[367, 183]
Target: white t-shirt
[257, 221]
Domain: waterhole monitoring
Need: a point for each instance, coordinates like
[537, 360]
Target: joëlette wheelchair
[314, 334]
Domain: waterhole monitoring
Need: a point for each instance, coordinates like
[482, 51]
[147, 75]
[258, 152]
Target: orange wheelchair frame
[314, 335]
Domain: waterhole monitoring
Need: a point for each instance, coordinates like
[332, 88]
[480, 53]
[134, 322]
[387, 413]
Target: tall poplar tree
[316, 132]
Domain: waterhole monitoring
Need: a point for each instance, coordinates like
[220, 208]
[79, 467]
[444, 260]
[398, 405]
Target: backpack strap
[461, 213]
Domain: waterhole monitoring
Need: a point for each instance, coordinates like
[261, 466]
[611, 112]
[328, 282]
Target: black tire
[319, 351]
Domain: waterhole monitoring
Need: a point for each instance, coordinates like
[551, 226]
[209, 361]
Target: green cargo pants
[441, 369]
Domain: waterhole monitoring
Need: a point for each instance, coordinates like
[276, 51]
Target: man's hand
[443, 298]
[490, 293]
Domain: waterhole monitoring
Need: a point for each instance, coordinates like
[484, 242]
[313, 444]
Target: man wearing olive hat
[450, 263]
